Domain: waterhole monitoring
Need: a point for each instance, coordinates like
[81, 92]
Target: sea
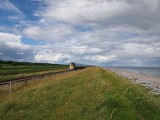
[155, 71]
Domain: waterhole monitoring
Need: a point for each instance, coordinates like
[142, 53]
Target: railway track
[22, 79]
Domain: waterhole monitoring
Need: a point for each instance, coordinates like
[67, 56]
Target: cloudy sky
[99, 32]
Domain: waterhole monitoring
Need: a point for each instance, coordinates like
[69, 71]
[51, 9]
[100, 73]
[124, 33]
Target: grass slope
[88, 94]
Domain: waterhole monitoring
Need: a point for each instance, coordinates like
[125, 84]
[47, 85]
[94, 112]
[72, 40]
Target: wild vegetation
[11, 69]
[88, 94]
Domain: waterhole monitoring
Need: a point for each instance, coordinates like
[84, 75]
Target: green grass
[89, 94]
[17, 69]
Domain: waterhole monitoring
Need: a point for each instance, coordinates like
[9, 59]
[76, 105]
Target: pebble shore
[150, 82]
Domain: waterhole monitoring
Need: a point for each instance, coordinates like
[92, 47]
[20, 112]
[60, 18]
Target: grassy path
[89, 94]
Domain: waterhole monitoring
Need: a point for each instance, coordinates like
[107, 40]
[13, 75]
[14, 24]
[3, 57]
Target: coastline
[149, 81]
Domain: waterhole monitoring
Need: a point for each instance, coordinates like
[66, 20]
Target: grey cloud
[11, 53]
[11, 47]
[140, 13]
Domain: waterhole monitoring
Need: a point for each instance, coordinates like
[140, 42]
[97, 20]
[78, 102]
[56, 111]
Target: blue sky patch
[32, 42]
[83, 29]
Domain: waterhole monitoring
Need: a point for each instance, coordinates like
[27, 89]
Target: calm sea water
[145, 70]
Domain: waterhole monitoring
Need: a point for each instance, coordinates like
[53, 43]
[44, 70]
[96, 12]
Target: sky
[92, 32]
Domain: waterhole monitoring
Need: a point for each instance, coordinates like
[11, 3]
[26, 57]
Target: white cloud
[8, 37]
[121, 32]
[12, 40]
[118, 42]
[51, 32]
[76, 11]
[103, 12]
[82, 49]
[100, 58]
[51, 57]
[139, 49]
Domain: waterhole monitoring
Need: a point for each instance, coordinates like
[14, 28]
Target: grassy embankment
[88, 94]
[10, 69]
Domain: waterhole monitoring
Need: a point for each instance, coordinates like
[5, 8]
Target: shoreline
[149, 81]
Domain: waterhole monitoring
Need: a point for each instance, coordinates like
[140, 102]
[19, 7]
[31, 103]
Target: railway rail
[22, 79]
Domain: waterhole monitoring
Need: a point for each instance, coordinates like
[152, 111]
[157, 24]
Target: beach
[149, 81]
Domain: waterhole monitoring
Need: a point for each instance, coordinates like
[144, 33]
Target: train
[75, 66]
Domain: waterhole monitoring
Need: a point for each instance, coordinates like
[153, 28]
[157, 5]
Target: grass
[89, 94]
[17, 69]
